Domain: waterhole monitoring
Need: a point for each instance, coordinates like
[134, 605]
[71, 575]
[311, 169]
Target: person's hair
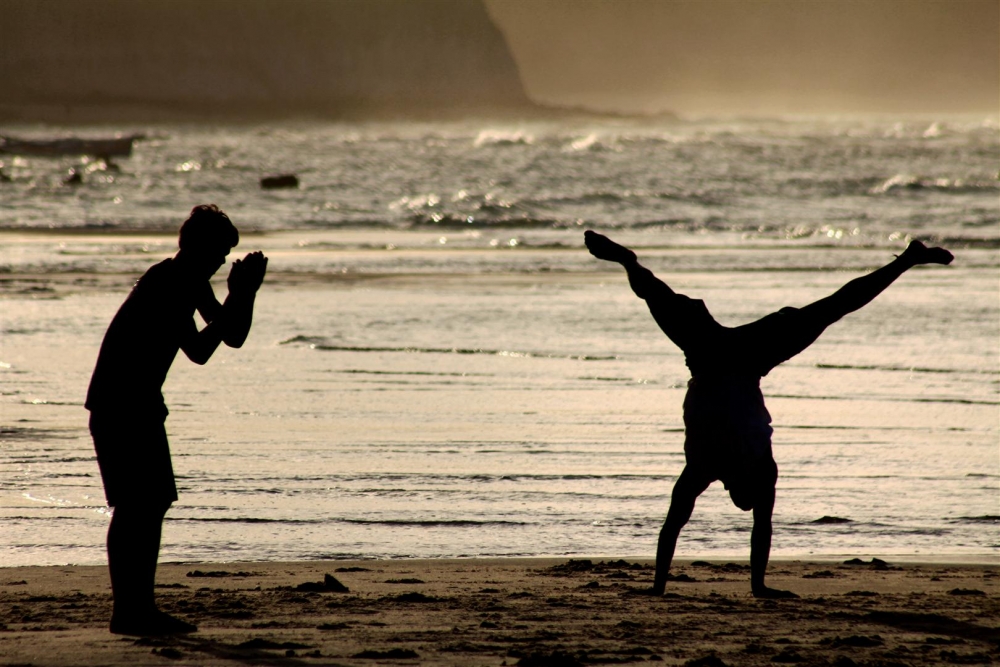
[208, 227]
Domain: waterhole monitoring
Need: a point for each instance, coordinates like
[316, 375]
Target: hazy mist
[752, 56]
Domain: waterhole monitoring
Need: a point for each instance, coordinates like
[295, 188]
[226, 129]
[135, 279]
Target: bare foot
[773, 594]
[918, 253]
[151, 624]
[602, 247]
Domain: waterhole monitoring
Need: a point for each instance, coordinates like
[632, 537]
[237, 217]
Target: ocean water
[438, 368]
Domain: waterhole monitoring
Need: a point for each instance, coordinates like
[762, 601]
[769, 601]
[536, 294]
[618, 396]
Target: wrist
[242, 294]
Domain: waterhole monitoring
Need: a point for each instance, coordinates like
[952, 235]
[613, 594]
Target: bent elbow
[235, 341]
[199, 357]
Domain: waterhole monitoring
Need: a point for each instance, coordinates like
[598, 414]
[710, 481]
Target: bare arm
[199, 346]
[245, 279]
[208, 306]
[228, 322]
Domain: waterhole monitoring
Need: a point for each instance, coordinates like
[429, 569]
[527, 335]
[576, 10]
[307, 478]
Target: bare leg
[643, 282]
[601, 247]
[688, 487]
[860, 291]
[133, 550]
[690, 484]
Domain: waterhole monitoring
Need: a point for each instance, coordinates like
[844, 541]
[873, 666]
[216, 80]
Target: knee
[139, 512]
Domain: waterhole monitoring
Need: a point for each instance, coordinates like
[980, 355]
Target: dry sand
[514, 612]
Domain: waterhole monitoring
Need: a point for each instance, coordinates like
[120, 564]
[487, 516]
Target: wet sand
[526, 612]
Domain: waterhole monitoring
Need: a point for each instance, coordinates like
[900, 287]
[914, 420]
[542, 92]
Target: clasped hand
[247, 274]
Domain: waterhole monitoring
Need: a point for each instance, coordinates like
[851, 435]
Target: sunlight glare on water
[438, 368]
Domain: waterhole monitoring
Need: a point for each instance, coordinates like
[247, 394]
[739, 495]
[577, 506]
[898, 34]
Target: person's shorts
[753, 479]
[743, 476]
[738, 456]
[727, 435]
[134, 457]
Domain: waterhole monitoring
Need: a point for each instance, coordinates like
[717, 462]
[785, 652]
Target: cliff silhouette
[227, 59]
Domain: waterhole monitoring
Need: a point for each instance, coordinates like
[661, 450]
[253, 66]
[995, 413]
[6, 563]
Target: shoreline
[920, 560]
[527, 611]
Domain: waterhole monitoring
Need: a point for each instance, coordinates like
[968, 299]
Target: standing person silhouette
[126, 406]
[727, 428]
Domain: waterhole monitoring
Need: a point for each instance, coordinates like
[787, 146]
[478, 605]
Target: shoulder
[161, 272]
[167, 276]
[164, 282]
[157, 277]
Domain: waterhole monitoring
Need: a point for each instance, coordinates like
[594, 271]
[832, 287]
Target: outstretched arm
[643, 282]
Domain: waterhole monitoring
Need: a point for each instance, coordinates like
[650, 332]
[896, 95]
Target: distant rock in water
[985, 518]
[831, 519]
[279, 181]
[73, 177]
[192, 59]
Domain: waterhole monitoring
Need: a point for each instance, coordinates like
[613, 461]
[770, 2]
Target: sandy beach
[514, 612]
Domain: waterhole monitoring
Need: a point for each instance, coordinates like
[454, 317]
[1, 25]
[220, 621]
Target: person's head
[206, 238]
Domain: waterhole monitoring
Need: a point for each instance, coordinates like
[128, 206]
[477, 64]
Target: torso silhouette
[724, 411]
[143, 339]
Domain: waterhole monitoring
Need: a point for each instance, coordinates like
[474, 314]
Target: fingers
[254, 261]
[247, 274]
[255, 267]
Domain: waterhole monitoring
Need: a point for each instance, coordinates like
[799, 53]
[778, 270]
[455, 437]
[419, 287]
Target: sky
[757, 56]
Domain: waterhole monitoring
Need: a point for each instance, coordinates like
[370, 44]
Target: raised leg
[688, 487]
[643, 282]
[860, 291]
[601, 247]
